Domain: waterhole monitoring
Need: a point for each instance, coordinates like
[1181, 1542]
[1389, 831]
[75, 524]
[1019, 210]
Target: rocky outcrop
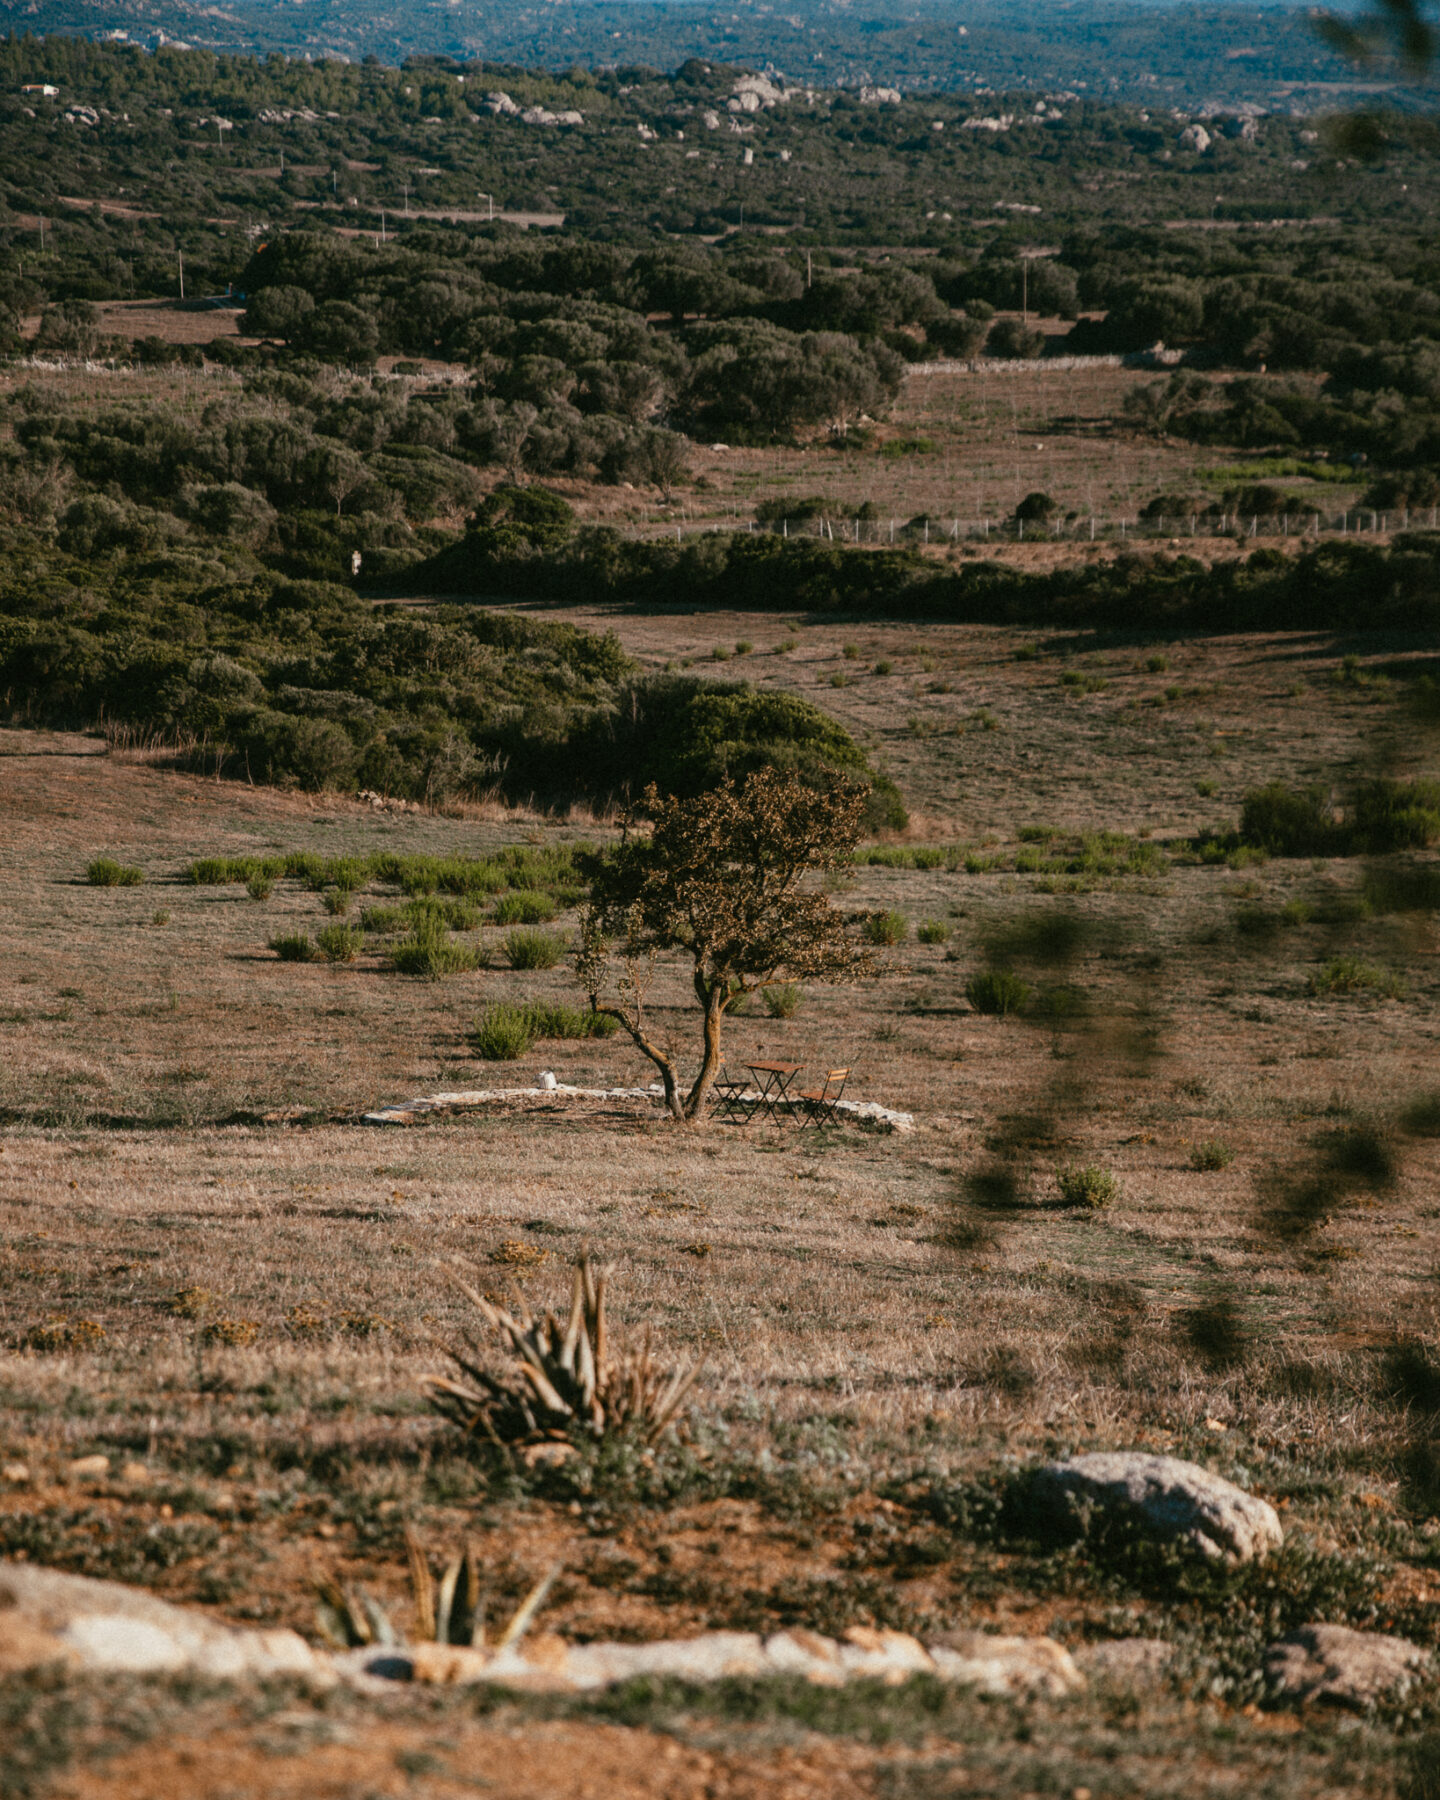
[1013, 1666]
[1331, 1665]
[1173, 1499]
[50, 1617]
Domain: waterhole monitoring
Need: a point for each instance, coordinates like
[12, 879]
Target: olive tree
[731, 879]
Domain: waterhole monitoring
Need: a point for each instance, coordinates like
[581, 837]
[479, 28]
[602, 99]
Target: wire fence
[1075, 527]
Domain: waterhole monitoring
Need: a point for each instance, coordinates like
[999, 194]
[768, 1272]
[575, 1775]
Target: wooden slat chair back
[818, 1105]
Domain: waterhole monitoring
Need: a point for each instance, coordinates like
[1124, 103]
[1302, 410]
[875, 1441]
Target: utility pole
[809, 276]
[1024, 290]
[382, 224]
[181, 255]
[282, 164]
[406, 187]
[491, 199]
[334, 184]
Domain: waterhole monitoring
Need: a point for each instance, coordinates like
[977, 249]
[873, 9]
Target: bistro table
[774, 1080]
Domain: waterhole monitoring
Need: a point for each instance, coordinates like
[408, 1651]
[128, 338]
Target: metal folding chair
[734, 1100]
[818, 1106]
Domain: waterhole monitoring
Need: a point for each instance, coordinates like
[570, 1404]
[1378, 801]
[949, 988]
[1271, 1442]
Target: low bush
[524, 906]
[886, 928]
[296, 946]
[340, 943]
[998, 992]
[1084, 1184]
[782, 1001]
[1421, 1116]
[259, 887]
[337, 901]
[502, 1034]
[568, 1022]
[1395, 815]
[1287, 821]
[1210, 1156]
[106, 872]
[1352, 975]
[431, 951]
[932, 931]
[533, 949]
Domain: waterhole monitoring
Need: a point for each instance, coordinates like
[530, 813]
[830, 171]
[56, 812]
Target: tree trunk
[673, 1103]
[712, 998]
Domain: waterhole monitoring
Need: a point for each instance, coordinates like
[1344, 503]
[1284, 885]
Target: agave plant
[448, 1611]
[565, 1382]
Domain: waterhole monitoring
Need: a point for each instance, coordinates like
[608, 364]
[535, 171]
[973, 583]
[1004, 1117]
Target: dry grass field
[213, 1273]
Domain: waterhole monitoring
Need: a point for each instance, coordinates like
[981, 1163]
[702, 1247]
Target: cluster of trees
[194, 152]
[302, 682]
[1383, 414]
[1340, 584]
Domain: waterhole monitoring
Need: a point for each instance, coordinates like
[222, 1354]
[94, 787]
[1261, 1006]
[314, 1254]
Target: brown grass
[180, 1120]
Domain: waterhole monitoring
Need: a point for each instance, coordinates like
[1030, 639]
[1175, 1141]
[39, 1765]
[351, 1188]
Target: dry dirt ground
[209, 1268]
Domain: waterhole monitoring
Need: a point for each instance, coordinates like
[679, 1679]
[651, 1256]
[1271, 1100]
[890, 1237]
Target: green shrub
[106, 872]
[1086, 1185]
[1352, 975]
[1286, 821]
[744, 647]
[259, 887]
[1157, 665]
[524, 907]
[296, 946]
[851, 652]
[384, 920]
[503, 1034]
[1396, 815]
[1206, 1158]
[1421, 1116]
[886, 928]
[430, 951]
[533, 949]
[208, 871]
[932, 931]
[337, 901]
[567, 1022]
[782, 1001]
[306, 866]
[340, 943]
[998, 992]
[884, 667]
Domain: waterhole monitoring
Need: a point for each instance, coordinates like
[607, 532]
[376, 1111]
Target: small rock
[548, 1081]
[1330, 1665]
[1174, 1499]
[134, 1473]
[807, 1653]
[16, 1472]
[88, 1468]
[1008, 1665]
[707, 1658]
[892, 1655]
[446, 1665]
[1127, 1662]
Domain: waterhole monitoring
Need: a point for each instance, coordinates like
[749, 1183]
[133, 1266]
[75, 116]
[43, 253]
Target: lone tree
[729, 878]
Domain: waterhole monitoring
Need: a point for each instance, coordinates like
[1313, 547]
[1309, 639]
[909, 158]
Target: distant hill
[1246, 52]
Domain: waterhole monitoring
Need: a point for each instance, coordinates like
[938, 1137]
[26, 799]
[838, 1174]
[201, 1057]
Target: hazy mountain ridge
[1242, 53]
